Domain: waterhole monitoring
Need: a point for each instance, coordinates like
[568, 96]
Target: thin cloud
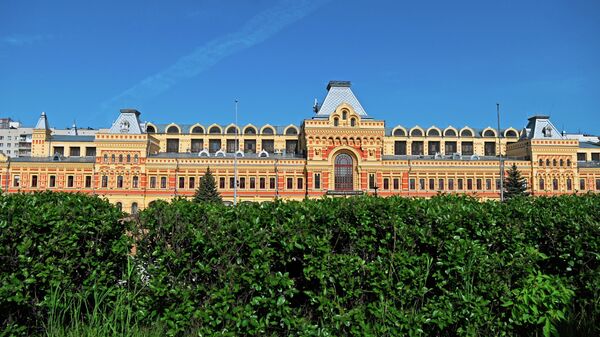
[258, 29]
[24, 40]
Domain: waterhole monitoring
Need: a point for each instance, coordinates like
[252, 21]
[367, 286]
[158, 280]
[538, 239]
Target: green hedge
[55, 242]
[373, 267]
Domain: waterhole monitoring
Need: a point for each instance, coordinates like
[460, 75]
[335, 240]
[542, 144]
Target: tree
[515, 185]
[207, 189]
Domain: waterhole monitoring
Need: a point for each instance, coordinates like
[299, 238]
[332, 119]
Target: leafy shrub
[54, 240]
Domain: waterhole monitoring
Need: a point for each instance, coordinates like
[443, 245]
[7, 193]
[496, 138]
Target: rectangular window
[262, 184]
[152, 182]
[386, 183]
[542, 184]
[460, 184]
[268, 145]
[74, 152]
[135, 182]
[489, 148]
[181, 182]
[300, 182]
[431, 184]
[231, 182]
[488, 184]
[469, 184]
[597, 184]
[173, 145]
[291, 146]
[52, 181]
[582, 184]
[197, 145]
[252, 182]
[272, 183]
[371, 181]
[450, 148]
[242, 182]
[163, 182]
[441, 184]
[317, 182]
[192, 182]
[231, 148]
[498, 184]
[596, 156]
[290, 183]
[451, 184]
[90, 151]
[581, 156]
[421, 184]
[119, 181]
[555, 184]
[479, 185]
[416, 148]
[466, 148]
[17, 181]
[400, 147]
[250, 146]
[34, 182]
[222, 182]
[569, 184]
[433, 148]
[214, 145]
[397, 184]
[70, 181]
[60, 150]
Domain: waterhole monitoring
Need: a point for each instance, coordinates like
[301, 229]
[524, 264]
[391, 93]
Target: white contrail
[258, 29]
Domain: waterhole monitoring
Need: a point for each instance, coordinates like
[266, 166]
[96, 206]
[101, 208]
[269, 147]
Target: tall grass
[99, 311]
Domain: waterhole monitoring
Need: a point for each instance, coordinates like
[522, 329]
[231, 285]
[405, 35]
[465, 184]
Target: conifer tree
[515, 185]
[207, 189]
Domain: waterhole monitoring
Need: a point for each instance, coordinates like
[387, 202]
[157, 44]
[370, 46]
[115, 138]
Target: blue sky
[410, 62]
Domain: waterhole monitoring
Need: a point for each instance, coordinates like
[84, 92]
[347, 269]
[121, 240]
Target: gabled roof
[339, 92]
[540, 127]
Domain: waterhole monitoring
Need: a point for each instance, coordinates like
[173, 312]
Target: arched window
[344, 178]
[353, 122]
[433, 133]
[511, 133]
[547, 162]
[344, 114]
[214, 130]
[554, 162]
[466, 133]
[562, 163]
[569, 162]
[268, 131]
[173, 129]
[129, 158]
[542, 184]
[555, 184]
[150, 129]
[120, 158]
[336, 121]
[134, 208]
[489, 133]
[250, 131]
[291, 131]
[450, 133]
[119, 206]
[399, 133]
[231, 130]
[119, 181]
[135, 182]
[197, 129]
[541, 163]
[135, 158]
[113, 158]
[105, 158]
[416, 133]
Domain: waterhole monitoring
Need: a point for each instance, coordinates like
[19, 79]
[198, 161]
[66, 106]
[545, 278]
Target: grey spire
[43, 122]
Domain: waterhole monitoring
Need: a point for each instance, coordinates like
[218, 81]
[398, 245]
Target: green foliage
[50, 240]
[515, 185]
[207, 189]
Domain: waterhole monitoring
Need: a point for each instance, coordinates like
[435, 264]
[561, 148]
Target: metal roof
[72, 138]
[55, 159]
[588, 145]
[189, 155]
[339, 92]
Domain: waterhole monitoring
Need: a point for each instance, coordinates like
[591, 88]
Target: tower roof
[540, 127]
[339, 92]
[42, 123]
[128, 123]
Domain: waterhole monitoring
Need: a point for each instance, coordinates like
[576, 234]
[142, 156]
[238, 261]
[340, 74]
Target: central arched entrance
[344, 173]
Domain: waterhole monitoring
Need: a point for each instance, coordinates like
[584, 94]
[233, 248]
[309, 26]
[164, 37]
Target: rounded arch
[417, 131]
[489, 133]
[450, 132]
[399, 131]
[291, 130]
[173, 128]
[231, 129]
[150, 128]
[466, 132]
[267, 130]
[215, 129]
[197, 128]
[343, 172]
[353, 121]
[511, 133]
[434, 131]
[249, 129]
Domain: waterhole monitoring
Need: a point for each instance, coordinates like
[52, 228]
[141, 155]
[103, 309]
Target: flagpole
[235, 173]
[500, 154]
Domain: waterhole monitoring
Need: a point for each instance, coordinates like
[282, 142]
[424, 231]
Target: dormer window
[336, 122]
[353, 122]
[547, 131]
[344, 115]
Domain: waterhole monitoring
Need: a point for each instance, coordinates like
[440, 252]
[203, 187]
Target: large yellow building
[341, 150]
